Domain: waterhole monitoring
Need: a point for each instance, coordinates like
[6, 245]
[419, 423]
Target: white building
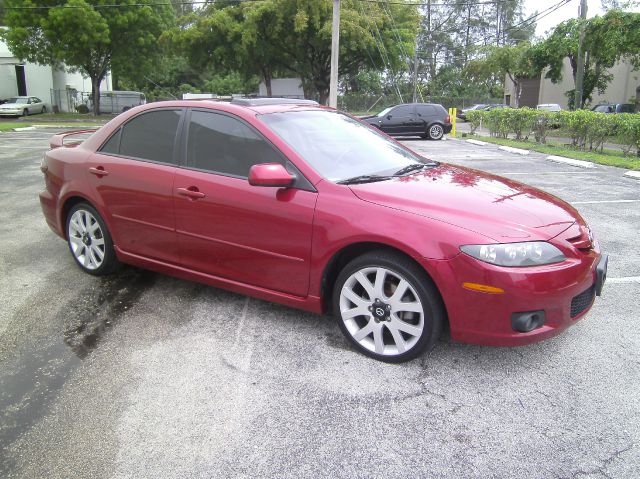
[55, 87]
[283, 88]
[623, 88]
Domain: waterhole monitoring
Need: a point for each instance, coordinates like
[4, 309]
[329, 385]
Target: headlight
[531, 253]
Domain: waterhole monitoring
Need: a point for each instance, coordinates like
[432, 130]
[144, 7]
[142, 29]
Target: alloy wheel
[382, 311]
[86, 239]
[436, 132]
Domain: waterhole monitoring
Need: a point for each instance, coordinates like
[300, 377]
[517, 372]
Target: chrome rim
[86, 239]
[381, 311]
[436, 132]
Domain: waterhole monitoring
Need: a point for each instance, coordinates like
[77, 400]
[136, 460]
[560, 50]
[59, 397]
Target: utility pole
[577, 101]
[335, 49]
[415, 73]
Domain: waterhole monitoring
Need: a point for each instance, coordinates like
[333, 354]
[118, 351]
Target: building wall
[621, 89]
[283, 87]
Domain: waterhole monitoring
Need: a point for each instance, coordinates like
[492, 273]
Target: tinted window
[151, 136]
[404, 110]
[113, 144]
[625, 108]
[425, 110]
[226, 145]
[603, 109]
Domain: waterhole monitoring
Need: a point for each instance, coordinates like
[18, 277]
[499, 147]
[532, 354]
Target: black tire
[44, 110]
[433, 312]
[25, 112]
[435, 131]
[109, 262]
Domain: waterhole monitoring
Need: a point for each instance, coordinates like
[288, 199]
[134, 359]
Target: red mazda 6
[303, 205]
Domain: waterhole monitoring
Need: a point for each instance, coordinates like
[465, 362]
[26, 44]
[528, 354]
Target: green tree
[87, 36]
[294, 37]
[608, 39]
[512, 62]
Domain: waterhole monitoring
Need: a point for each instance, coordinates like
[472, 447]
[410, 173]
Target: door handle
[191, 192]
[99, 171]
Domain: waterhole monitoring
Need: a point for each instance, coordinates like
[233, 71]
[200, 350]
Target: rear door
[133, 176]
[254, 235]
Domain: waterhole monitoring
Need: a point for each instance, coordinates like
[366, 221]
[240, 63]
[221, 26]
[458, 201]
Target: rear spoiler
[57, 141]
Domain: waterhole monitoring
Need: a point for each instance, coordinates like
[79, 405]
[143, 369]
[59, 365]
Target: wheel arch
[347, 253]
[70, 202]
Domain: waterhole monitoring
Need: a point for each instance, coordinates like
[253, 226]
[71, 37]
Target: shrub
[628, 130]
[498, 123]
[520, 120]
[543, 121]
[82, 109]
[475, 118]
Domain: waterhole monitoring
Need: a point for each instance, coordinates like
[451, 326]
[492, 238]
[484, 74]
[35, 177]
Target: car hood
[495, 207]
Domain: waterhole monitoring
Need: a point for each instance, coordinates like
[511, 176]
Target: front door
[254, 235]
[400, 121]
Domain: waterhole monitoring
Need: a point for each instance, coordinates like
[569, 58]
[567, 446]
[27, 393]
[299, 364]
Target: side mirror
[388, 117]
[270, 174]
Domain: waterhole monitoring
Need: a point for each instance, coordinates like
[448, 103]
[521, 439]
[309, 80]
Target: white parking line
[626, 279]
[571, 161]
[603, 201]
[550, 173]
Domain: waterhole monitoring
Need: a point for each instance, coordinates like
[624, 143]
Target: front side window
[149, 136]
[337, 146]
[405, 110]
[225, 145]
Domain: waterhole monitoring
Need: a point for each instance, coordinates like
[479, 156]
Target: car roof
[257, 105]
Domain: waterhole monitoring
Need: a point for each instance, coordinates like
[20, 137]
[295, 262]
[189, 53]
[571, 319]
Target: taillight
[447, 119]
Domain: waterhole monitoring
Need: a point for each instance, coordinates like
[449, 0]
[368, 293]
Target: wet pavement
[143, 375]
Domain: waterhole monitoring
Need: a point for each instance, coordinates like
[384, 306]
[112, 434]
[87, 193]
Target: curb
[517, 151]
[633, 174]
[571, 161]
[24, 128]
[478, 142]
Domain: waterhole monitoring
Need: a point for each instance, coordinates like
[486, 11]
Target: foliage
[609, 38]
[589, 130]
[293, 37]
[81, 36]
[82, 109]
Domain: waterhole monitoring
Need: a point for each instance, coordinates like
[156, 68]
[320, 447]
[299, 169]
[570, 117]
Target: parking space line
[551, 173]
[625, 279]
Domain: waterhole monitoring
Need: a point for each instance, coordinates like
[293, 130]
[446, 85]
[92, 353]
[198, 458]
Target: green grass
[606, 157]
[11, 126]
[67, 117]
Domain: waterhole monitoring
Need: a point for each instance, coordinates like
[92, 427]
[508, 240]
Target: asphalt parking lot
[141, 375]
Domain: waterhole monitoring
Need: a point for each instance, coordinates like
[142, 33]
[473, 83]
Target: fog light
[527, 321]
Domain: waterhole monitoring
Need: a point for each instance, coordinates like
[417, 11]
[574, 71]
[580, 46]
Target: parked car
[428, 120]
[22, 106]
[118, 101]
[615, 108]
[462, 113]
[300, 204]
[549, 107]
[495, 106]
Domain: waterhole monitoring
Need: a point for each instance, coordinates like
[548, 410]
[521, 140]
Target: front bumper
[564, 292]
[448, 127]
[11, 112]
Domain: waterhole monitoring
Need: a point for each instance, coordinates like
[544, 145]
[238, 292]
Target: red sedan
[303, 205]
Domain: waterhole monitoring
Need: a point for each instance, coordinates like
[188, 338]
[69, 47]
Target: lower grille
[582, 301]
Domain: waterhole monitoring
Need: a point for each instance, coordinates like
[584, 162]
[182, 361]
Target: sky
[565, 12]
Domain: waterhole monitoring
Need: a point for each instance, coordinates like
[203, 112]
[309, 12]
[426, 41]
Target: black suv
[615, 108]
[428, 120]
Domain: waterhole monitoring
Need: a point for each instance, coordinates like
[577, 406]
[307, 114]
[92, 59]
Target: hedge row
[588, 130]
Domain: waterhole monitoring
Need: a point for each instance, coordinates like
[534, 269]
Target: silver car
[22, 106]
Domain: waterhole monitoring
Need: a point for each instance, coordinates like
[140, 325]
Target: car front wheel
[89, 241]
[387, 306]
[435, 132]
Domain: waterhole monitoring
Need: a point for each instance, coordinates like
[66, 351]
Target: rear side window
[150, 136]
[404, 110]
[425, 110]
[112, 146]
[222, 144]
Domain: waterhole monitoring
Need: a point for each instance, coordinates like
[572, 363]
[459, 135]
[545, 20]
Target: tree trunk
[95, 94]
[266, 74]
[324, 96]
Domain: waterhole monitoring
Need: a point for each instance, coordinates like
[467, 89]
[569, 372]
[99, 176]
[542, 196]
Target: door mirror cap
[270, 174]
[389, 117]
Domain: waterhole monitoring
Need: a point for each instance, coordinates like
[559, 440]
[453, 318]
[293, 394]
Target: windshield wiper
[413, 167]
[363, 179]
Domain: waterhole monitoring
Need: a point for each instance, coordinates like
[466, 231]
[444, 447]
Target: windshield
[337, 146]
[22, 101]
[384, 112]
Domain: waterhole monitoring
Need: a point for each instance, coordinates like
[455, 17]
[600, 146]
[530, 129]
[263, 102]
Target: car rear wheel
[387, 306]
[435, 132]
[44, 109]
[89, 241]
